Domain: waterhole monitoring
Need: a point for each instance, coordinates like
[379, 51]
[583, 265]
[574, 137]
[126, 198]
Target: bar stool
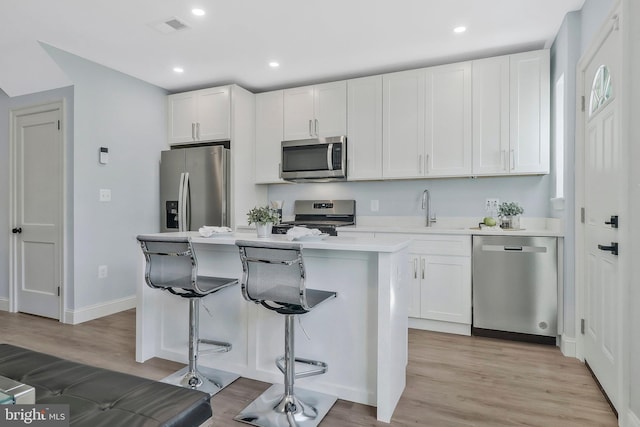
[171, 265]
[274, 276]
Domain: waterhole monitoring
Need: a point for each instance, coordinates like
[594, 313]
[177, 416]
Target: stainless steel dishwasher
[515, 287]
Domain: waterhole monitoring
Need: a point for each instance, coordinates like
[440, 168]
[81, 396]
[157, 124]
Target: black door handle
[17, 230]
[613, 222]
[613, 248]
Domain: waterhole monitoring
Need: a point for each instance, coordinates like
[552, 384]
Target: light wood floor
[451, 380]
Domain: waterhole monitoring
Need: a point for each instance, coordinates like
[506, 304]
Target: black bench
[100, 397]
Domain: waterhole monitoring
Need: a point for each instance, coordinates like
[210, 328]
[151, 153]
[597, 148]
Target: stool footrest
[219, 346]
[320, 367]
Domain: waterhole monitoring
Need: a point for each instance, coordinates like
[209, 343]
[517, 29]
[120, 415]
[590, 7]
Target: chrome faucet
[426, 206]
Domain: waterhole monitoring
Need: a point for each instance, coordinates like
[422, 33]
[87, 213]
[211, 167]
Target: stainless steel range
[325, 215]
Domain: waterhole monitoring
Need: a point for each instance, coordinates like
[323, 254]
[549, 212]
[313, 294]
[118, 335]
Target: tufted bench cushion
[103, 398]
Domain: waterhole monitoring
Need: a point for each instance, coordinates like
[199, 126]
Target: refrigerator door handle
[181, 203]
[185, 202]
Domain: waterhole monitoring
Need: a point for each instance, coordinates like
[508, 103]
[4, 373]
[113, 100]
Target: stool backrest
[171, 264]
[273, 273]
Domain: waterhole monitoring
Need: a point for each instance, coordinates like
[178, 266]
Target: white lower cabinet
[440, 294]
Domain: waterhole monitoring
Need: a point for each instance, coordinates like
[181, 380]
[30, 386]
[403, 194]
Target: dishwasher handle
[520, 249]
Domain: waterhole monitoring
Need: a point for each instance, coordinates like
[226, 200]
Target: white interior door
[38, 195]
[602, 199]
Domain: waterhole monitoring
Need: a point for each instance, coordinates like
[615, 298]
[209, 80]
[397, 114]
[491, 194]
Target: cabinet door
[213, 114]
[403, 124]
[446, 288]
[448, 120]
[298, 113]
[529, 152]
[491, 116]
[414, 285]
[364, 127]
[269, 131]
[181, 117]
[330, 109]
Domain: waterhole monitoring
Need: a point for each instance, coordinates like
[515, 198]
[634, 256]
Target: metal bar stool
[171, 265]
[274, 276]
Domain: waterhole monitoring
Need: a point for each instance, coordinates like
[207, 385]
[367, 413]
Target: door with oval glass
[603, 204]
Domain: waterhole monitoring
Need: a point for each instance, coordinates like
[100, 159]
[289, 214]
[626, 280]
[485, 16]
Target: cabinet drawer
[435, 244]
[442, 244]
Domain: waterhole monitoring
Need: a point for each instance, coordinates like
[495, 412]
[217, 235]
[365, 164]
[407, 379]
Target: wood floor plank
[452, 381]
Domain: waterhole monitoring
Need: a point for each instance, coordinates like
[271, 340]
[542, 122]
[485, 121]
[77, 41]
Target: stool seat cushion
[102, 398]
[314, 297]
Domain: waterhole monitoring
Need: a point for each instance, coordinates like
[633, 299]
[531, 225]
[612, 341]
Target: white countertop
[453, 225]
[363, 244]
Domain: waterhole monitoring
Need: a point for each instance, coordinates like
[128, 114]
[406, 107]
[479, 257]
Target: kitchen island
[361, 334]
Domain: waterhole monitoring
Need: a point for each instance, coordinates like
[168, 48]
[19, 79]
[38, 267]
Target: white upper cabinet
[491, 116]
[269, 135]
[201, 115]
[403, 124]
[427, 122]
[315, 111]
[530, 110]
[511, 114]
[448, 120]
[364, 127]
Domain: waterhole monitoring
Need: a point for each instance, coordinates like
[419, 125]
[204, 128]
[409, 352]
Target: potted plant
[263, 217]
[509, 213]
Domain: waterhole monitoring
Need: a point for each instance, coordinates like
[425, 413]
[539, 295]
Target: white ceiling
[313, 41]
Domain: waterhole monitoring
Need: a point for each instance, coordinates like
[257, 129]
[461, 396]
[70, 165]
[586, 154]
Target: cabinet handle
[513, 159]
[420, 164]
[193, 131]
[426, 165]
[503, 159]
[316, 126]
[198, 131]
[310, 133]
[422, 264]
[415, 268]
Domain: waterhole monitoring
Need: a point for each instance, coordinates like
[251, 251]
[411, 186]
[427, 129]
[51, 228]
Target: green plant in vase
[509, 213]
[263, 217]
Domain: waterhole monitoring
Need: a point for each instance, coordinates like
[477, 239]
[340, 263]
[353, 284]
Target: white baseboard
[568, 346]
[4, 304]
[96, 311]
[632, 419]
[438, 326]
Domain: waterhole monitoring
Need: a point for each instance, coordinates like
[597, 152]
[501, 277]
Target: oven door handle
[330, 156]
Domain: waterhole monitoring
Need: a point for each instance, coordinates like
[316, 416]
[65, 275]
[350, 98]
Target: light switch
[105, 195]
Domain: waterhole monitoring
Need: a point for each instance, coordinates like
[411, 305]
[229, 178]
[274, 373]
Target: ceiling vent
[170, 25]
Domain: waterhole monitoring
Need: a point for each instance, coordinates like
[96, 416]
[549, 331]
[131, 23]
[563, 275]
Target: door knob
[17, 230]
[613, 248]
[613, 222]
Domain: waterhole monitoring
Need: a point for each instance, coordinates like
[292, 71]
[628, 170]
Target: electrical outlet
[491, 205]
[375, 205]
[105, 195]
[102, 271]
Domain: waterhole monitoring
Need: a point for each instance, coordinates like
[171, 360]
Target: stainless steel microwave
[318, 159]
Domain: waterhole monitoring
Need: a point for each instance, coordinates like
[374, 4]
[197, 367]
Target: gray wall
[7, 104]
[127, 116]
[565, 53]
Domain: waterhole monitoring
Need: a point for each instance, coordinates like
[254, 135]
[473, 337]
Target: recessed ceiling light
[460, 29]
[178, 69]
[198, 12]
[274, 64]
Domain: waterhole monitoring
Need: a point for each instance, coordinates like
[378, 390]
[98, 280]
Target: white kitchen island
[361, 334]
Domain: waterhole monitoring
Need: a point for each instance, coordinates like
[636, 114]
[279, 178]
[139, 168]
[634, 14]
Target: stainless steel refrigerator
[194, 188]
